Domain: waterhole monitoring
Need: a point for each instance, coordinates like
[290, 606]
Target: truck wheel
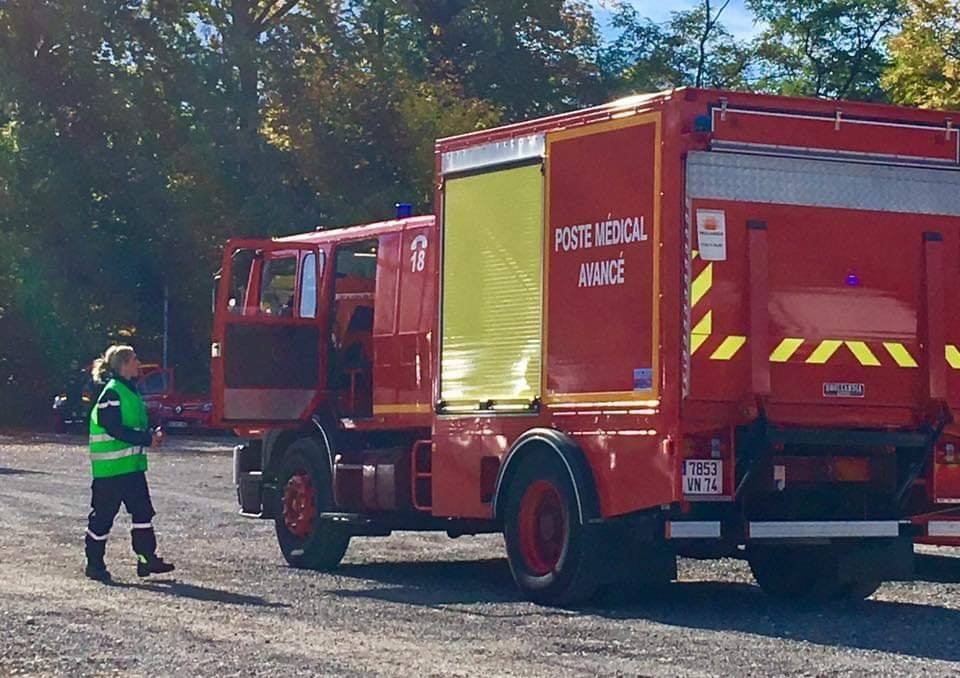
[804, 573]
[306, 491]
[549, 551]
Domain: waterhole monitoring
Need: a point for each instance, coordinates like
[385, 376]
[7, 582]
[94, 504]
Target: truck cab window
[308, 285]
[277, 286]
[351, 347]
[239, 281]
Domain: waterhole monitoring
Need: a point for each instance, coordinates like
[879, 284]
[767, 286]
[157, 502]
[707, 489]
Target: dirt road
[405, 605]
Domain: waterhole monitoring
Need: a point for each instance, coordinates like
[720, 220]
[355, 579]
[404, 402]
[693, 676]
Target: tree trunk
[242, 47]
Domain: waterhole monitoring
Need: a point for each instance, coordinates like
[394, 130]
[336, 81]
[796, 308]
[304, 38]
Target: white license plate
[177, 424]
[703, 476]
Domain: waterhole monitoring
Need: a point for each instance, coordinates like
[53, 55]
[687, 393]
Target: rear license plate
[703, 476]
[834, 390]
[177, 424]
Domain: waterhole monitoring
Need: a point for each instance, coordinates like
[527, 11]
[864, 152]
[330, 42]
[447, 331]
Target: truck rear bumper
[880, 550]
[788, 530]
[944, 528]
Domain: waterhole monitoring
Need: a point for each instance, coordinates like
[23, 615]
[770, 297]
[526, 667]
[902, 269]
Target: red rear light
[711, 445]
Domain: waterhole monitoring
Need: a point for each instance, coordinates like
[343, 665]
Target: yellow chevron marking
[696, 253]
[728, 348]
[701, 285]
[785, 350]
[701, 332]
[900, 354]
[824, 352]
[863, 354]
[953, 356]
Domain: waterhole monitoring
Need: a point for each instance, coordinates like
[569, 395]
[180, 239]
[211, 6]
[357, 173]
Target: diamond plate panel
[822, 183]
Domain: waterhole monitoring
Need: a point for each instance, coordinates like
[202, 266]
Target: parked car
[70, 414]
[71, 406]
[169, 408]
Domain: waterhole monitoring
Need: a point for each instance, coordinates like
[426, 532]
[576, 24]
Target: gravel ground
[403, 605]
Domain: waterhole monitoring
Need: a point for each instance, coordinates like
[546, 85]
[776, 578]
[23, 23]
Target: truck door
[266, 358]
[351, 354]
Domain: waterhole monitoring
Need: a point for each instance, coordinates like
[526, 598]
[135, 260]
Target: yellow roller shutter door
[492, 289]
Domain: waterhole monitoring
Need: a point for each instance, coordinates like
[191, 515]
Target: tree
[925, 68]
[692, 48]
[528, 57]
[360, 117]
[137, 135]
[825, 48]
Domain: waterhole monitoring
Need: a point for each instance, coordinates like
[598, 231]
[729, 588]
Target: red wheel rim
[299, 505]
[542, 527]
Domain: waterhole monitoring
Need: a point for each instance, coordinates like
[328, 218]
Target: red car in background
[168, 408]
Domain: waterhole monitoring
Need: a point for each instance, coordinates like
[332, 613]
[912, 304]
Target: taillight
[714, 445]
[948, 451]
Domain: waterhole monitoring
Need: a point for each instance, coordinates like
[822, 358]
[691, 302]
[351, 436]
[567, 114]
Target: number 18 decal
[418, 256]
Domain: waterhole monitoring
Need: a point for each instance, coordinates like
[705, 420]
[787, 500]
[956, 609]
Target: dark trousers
[107, 494]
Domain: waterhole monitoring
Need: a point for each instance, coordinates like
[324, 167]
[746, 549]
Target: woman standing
[118, 434]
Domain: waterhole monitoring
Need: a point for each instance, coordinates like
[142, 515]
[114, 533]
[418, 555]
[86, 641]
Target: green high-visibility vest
[111, 457]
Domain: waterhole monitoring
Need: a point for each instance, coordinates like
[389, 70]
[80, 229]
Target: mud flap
[629, 551]
[876, 559]
[271, 498]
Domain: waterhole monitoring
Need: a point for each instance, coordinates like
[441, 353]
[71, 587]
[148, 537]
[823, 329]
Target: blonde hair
[109, 364]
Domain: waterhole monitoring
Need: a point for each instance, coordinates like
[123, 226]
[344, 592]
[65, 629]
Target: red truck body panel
[822, 321]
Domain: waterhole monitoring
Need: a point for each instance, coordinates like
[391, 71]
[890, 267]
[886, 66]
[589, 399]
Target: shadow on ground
[5, 471]
[434, 582]
[172, 587]
[923, 631]
[939, 569]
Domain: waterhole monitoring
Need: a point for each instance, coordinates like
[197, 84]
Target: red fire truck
[695, 322]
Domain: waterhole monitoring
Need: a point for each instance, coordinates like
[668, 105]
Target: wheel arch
[278, 441]
[573, 459]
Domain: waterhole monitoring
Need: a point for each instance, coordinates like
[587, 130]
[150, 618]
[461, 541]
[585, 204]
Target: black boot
[145, 546]
[147, 565]
[96, 568]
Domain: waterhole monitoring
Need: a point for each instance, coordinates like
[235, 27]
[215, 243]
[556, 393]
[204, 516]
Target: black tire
[569, 574]
[805, 573]
[858, 590]
[322, 544]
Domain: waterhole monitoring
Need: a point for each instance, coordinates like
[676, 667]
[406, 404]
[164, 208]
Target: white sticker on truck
[712, 235]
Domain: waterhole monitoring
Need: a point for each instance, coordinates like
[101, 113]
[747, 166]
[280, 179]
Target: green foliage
[825, 48]
[647, 56]
[926, 56]
[136, 136]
